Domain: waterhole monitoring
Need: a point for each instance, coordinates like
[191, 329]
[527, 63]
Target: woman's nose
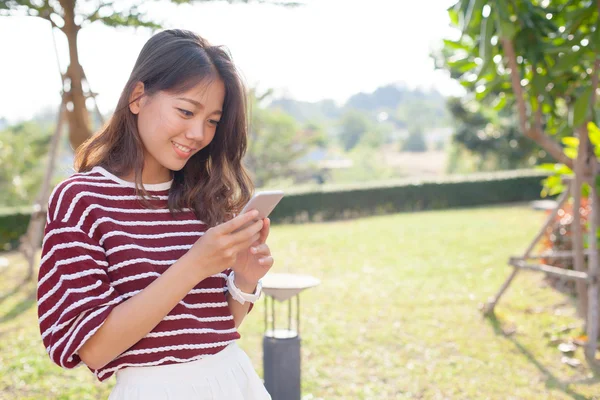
[196, 132]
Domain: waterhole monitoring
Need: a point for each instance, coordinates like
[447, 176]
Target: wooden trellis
[532, 262]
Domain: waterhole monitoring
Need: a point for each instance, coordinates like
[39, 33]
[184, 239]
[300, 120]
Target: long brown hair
[213, 182]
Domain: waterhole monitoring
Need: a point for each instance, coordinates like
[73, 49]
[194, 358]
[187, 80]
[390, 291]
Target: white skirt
[227, 375]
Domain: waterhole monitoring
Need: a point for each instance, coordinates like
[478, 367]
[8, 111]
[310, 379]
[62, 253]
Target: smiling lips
[182, 151]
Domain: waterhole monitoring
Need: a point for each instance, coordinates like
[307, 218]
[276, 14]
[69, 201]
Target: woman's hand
[253, 262]
[219, 247]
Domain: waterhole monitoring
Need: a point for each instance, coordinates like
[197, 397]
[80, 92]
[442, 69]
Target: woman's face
[173, 127]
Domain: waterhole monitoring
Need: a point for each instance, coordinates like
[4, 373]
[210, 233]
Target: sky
[323, 49]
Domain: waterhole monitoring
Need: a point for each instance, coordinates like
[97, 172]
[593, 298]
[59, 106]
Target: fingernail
[253, 249]
[261, 261]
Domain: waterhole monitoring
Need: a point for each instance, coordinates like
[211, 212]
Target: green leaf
[463, 65]
[581, 107]
[453, 14]
[506, 27]
[557, 189]
[456, 45]
[472, 15]
[571, 141]
[558, 168]
[475, 6]
[500, 103]
[596, 36]
[594, 133]
[485, 45]
[585, 190]
[571, 153]
[566, 62]
[546, 167]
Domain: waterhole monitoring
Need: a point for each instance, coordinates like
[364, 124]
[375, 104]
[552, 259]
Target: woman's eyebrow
[194, 102]
[199, 105]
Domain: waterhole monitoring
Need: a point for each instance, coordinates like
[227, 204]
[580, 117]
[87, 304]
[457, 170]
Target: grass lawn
[396, 315]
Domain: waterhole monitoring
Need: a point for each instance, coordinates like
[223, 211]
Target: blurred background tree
[415, 142]
[21, 148]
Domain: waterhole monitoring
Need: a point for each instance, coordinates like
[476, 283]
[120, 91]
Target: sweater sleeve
[74, 295]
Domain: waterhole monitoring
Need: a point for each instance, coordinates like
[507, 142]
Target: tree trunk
[577, 234]
[77, 113]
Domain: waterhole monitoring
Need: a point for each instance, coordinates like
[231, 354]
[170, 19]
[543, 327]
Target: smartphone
[264, 202]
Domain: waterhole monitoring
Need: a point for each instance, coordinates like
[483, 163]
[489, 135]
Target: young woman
[142, 275]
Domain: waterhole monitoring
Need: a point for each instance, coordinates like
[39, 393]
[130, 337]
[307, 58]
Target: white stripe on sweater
[204, 305]
[199, 319]
[85, 301]
[68, 277]
[147, 236]
[85, 175]
[69, 245]
[50, 349]
[67, 261]
[91, 207]
[190, 331]
[64, 297]
[102, 308]
[96, 184]
[134, 278]
[59, 231]
[138, 261]
[102, 196]
[57, 327]
[174, 347]
[193, 291]
[149, 249]
[75, 332]
[76, 175]
[149, 274]
[142, 223]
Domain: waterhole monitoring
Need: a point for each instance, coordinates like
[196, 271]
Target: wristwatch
[240, 296]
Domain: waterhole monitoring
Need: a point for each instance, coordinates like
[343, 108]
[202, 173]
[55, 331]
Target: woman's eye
[212, 121]
[186, 112]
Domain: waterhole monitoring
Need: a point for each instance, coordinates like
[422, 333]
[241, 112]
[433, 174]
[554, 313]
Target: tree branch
[96, 14]
[535, 133]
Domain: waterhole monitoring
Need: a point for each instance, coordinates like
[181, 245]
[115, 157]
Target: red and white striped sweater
[101, 247]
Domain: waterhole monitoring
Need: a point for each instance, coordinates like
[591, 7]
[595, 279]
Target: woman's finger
[264, 233]
[260, 249]
[266, 261]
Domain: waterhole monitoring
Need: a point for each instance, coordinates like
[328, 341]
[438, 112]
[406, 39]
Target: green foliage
[554, 184]
[494, 136]
[22, 149]
[359, 200]
[554, 42]
[415, 142]
[13, 224]
[276, 142]
[353, 125]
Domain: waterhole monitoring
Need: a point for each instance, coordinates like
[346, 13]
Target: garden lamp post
[281, 347]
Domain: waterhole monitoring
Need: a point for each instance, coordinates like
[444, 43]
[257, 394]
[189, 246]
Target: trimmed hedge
[13, 224]
[353, 201]
[350, 201]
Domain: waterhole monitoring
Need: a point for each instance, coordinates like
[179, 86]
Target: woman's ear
[136, 97]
